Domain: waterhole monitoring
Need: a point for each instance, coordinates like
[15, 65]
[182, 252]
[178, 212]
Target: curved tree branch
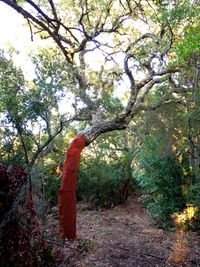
[43, 26]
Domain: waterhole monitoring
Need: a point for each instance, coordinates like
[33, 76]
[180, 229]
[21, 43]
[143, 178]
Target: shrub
[52, 184]
[162, 179]
[21, 243]
[192, 196]
[101, 183]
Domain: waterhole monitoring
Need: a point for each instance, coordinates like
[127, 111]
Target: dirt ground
[123, 237]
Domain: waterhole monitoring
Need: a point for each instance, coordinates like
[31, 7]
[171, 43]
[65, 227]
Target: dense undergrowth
[168, 184]
[21, 242]
[101, 184]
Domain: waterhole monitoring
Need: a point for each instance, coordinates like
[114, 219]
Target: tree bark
[67, 191]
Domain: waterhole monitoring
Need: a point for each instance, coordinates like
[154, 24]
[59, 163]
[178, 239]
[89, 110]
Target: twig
[31, 30]
[124, 248]
[153, 256]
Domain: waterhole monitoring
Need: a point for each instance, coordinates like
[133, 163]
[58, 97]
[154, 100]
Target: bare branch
[128, 71]
[30, 27]
[36, 7]
[45, 144]
[45, 27]
[53, 10]
[160, 103]
[144, 36]
[155, 74]
[148, 66]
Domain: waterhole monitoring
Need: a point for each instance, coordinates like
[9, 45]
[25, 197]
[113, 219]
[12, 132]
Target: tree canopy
[114, 46]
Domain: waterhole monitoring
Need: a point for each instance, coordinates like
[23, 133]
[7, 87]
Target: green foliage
[13, 117]
[111, 104]
[164, 167]
[189, 47]
[85, 245]
[192, 196]
[175, 13]
[104, 170]
[161, 177]
[52, 184]
[100, 183]
[29, 111]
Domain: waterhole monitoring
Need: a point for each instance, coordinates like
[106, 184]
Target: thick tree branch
[135, 104]
[53, 10]
[36, 7]
[45, 27]
[128, 71]
[160, 103]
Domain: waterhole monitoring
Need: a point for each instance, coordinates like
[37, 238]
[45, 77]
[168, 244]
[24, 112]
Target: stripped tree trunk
[67, 192]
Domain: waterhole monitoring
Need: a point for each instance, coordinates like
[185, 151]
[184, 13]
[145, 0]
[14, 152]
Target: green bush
[100, 183]
[52, 184]
[192, 195]
[161, 177]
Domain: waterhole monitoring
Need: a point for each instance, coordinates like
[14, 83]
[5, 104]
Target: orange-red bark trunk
[67, 192]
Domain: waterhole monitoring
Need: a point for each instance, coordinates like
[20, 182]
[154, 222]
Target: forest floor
[123, 236]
